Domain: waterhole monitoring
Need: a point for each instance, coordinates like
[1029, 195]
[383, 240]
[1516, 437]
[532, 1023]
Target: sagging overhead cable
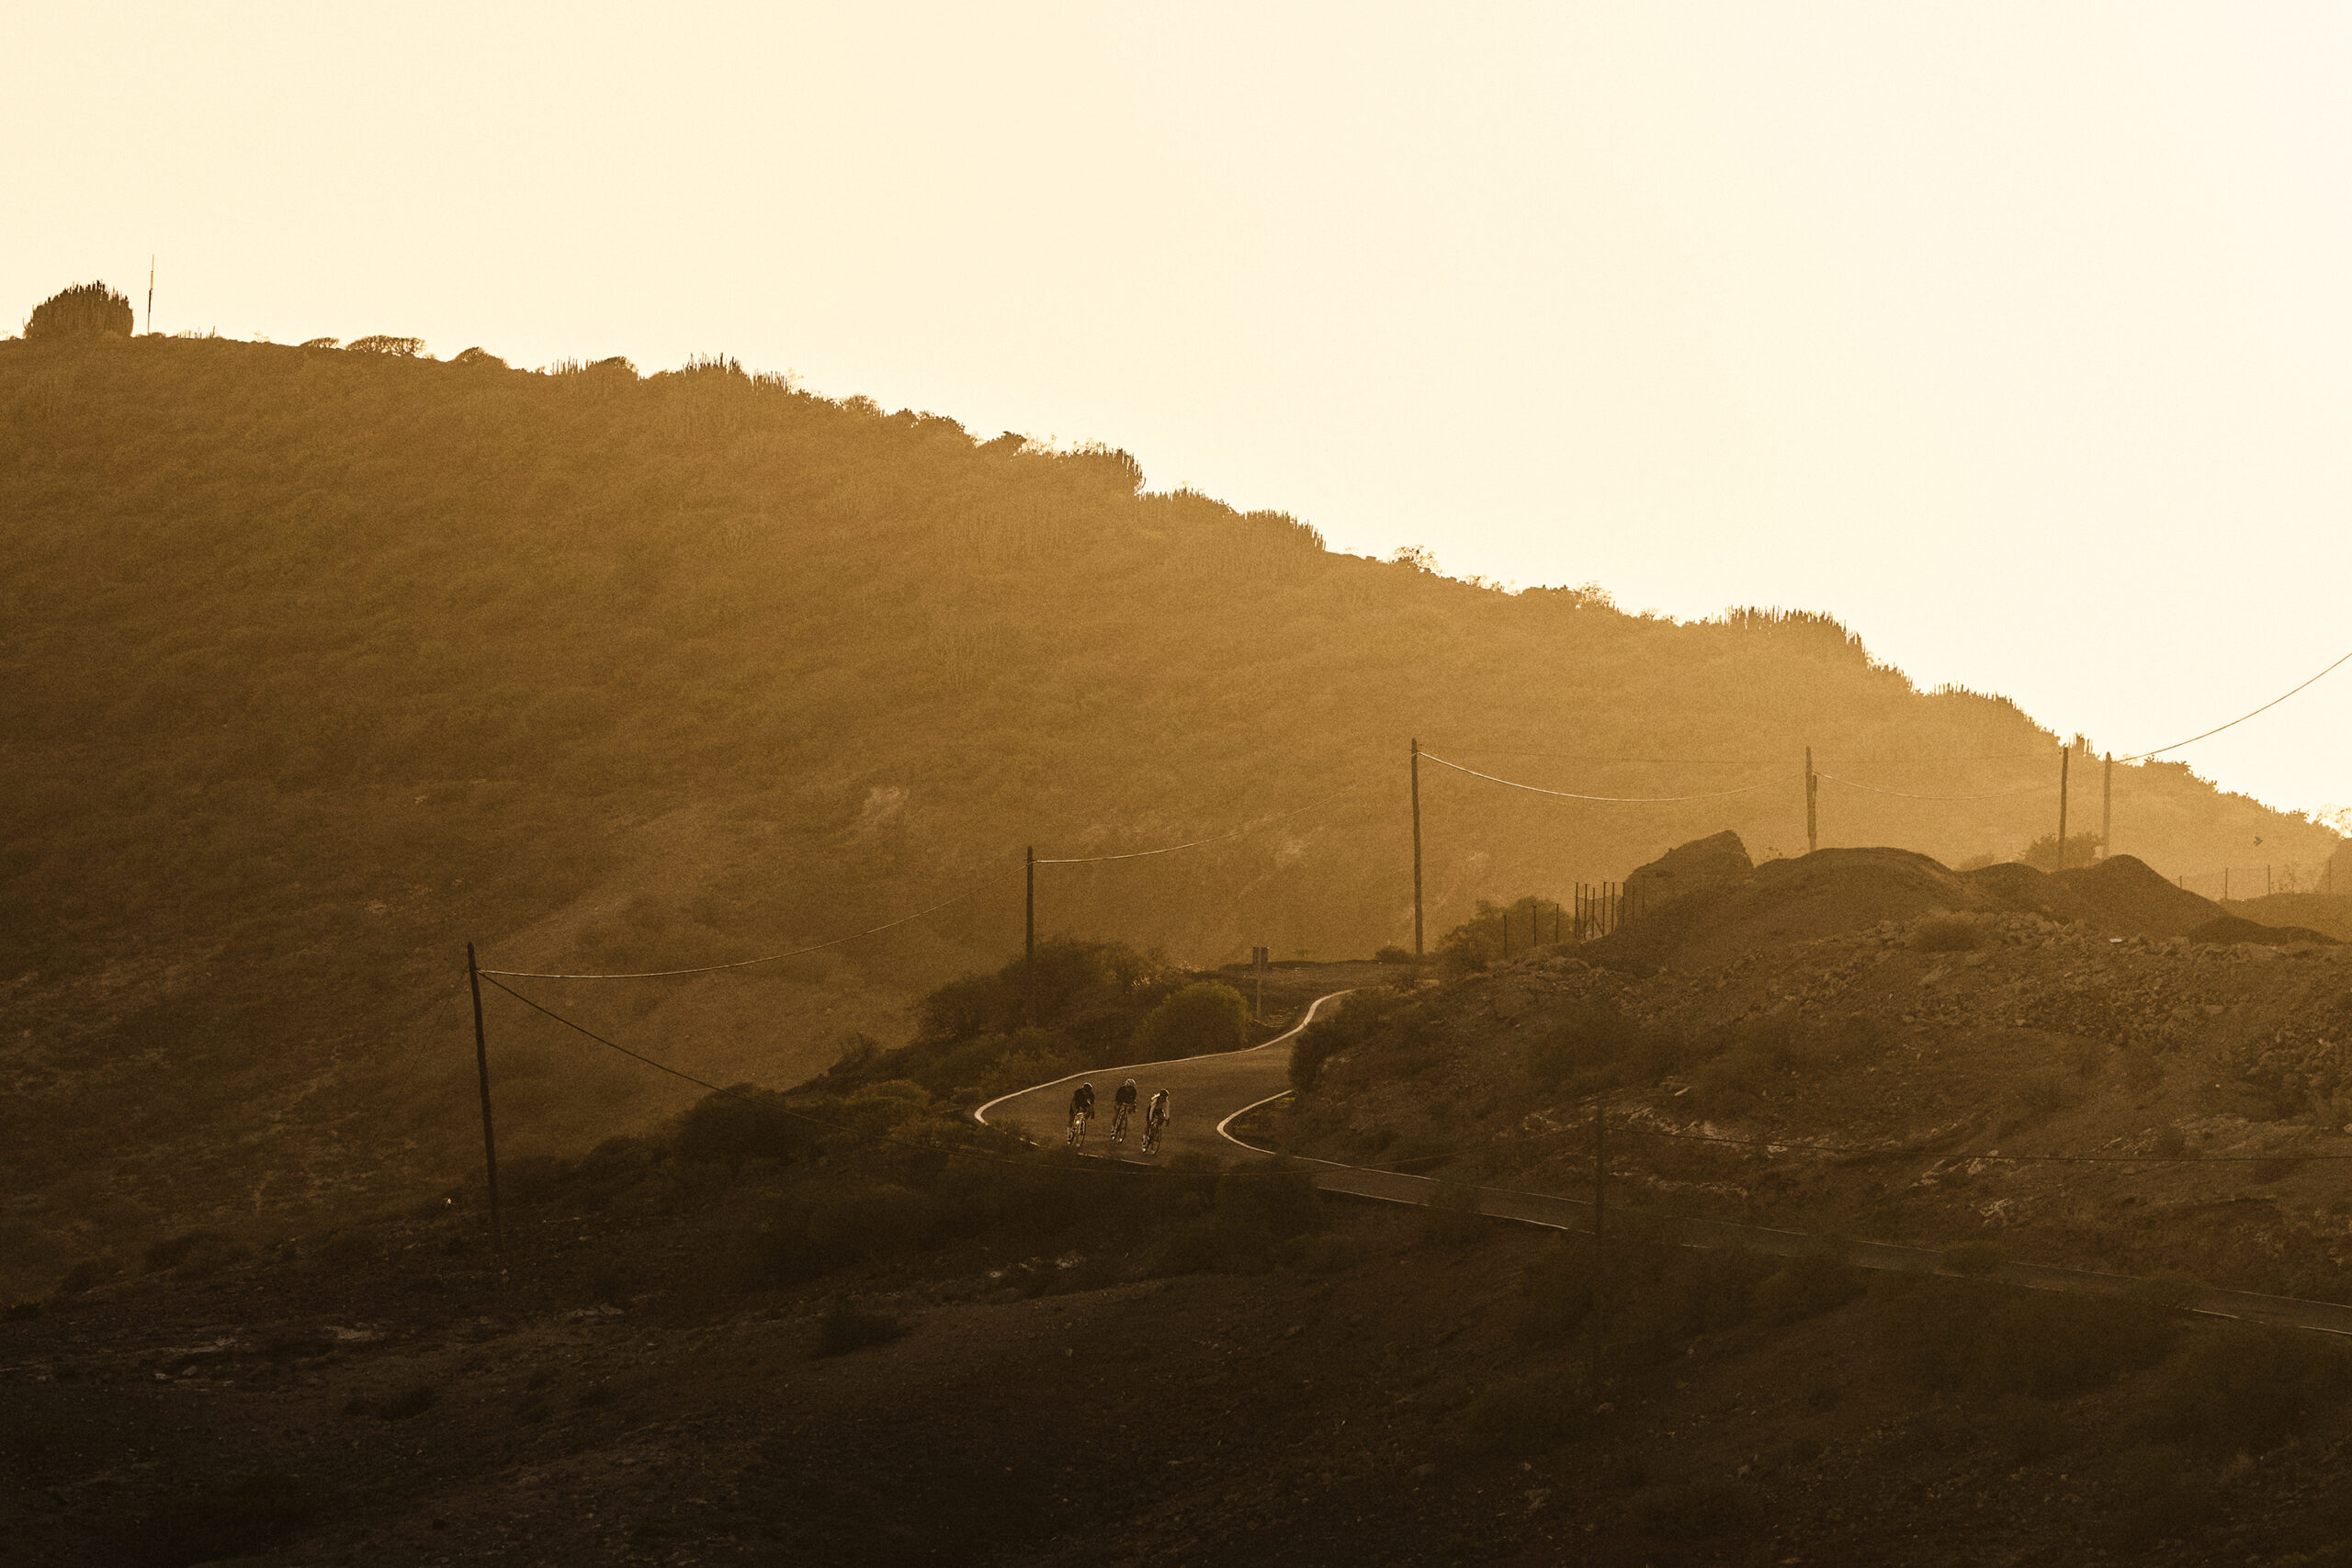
[1906, 794]
[2143, 756]
[1610, 799]
[740, 963]
[1196, 843]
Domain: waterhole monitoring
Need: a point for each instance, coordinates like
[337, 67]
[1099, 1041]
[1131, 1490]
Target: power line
[2143, 756]
[1606, 799]
[1196, 843]
[1906, 794]
[1107, 1166]
[740, 963]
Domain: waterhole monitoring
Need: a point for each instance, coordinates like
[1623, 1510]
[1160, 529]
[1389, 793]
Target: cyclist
[1122, 1105]
[1154, 1122]
[1081, 1106]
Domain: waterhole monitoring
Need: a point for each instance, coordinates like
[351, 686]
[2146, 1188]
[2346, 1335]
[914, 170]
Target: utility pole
[488, 1138]
[2106, 807]
[1812, 796]
[150, 292]
[1029, 948]
[2065, 754]
[1416, 846]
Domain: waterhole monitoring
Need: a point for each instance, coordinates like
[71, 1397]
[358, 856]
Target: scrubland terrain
[1862, 1043]
[845, 1325]
[316, 664]
[1060, 1371]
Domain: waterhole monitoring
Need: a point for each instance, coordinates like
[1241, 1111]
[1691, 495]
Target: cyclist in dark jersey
[1081, 1106]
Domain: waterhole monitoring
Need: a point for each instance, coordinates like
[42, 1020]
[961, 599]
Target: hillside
[1903, 1072]
[1182, 1372]
[316, 664]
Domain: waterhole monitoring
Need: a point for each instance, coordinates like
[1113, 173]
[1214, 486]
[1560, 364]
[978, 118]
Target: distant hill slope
[315, 664]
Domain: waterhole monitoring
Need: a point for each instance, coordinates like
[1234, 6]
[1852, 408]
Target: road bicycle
[1151, 1131]
[1077, 1129]
[1119, 1124]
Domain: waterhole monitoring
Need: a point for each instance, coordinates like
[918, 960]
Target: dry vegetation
[316, 662]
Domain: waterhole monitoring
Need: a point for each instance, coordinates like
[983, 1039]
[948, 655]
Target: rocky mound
[2329, 912]
[1703, 910]
[2121, 897]
[2236, 928]
[1787, 901]
[1702, 865]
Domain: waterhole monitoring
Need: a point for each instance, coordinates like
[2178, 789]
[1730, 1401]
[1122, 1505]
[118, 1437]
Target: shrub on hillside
[1360, 1015]
[1595, 1046]
[1075, 982]
[1395, 954]
[1201, 1018]
[2082, 848]
[384, 344]
[1498, 931]
[741, 1124]
[86, 310]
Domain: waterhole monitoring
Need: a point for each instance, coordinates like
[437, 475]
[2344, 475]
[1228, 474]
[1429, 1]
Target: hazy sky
[2017, 336]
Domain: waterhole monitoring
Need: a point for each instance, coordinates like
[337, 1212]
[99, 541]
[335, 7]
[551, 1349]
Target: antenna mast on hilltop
[150, 292]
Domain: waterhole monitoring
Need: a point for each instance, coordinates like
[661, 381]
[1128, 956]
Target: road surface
[1208, 1094]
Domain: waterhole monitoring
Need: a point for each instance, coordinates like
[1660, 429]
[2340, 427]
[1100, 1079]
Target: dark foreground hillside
[1358, 1385]
[315, 665]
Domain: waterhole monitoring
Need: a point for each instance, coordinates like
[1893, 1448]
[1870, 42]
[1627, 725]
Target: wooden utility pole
[2107, 806]
[1416, 846]
[489, 1137]
[1029, 948]
[151, 292]
[1812, 796]
[2065, 754]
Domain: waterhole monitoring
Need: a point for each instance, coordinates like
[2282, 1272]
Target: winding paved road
[1207, 1094]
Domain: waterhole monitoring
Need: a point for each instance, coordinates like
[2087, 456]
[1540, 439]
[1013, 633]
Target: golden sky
[2017, 336]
